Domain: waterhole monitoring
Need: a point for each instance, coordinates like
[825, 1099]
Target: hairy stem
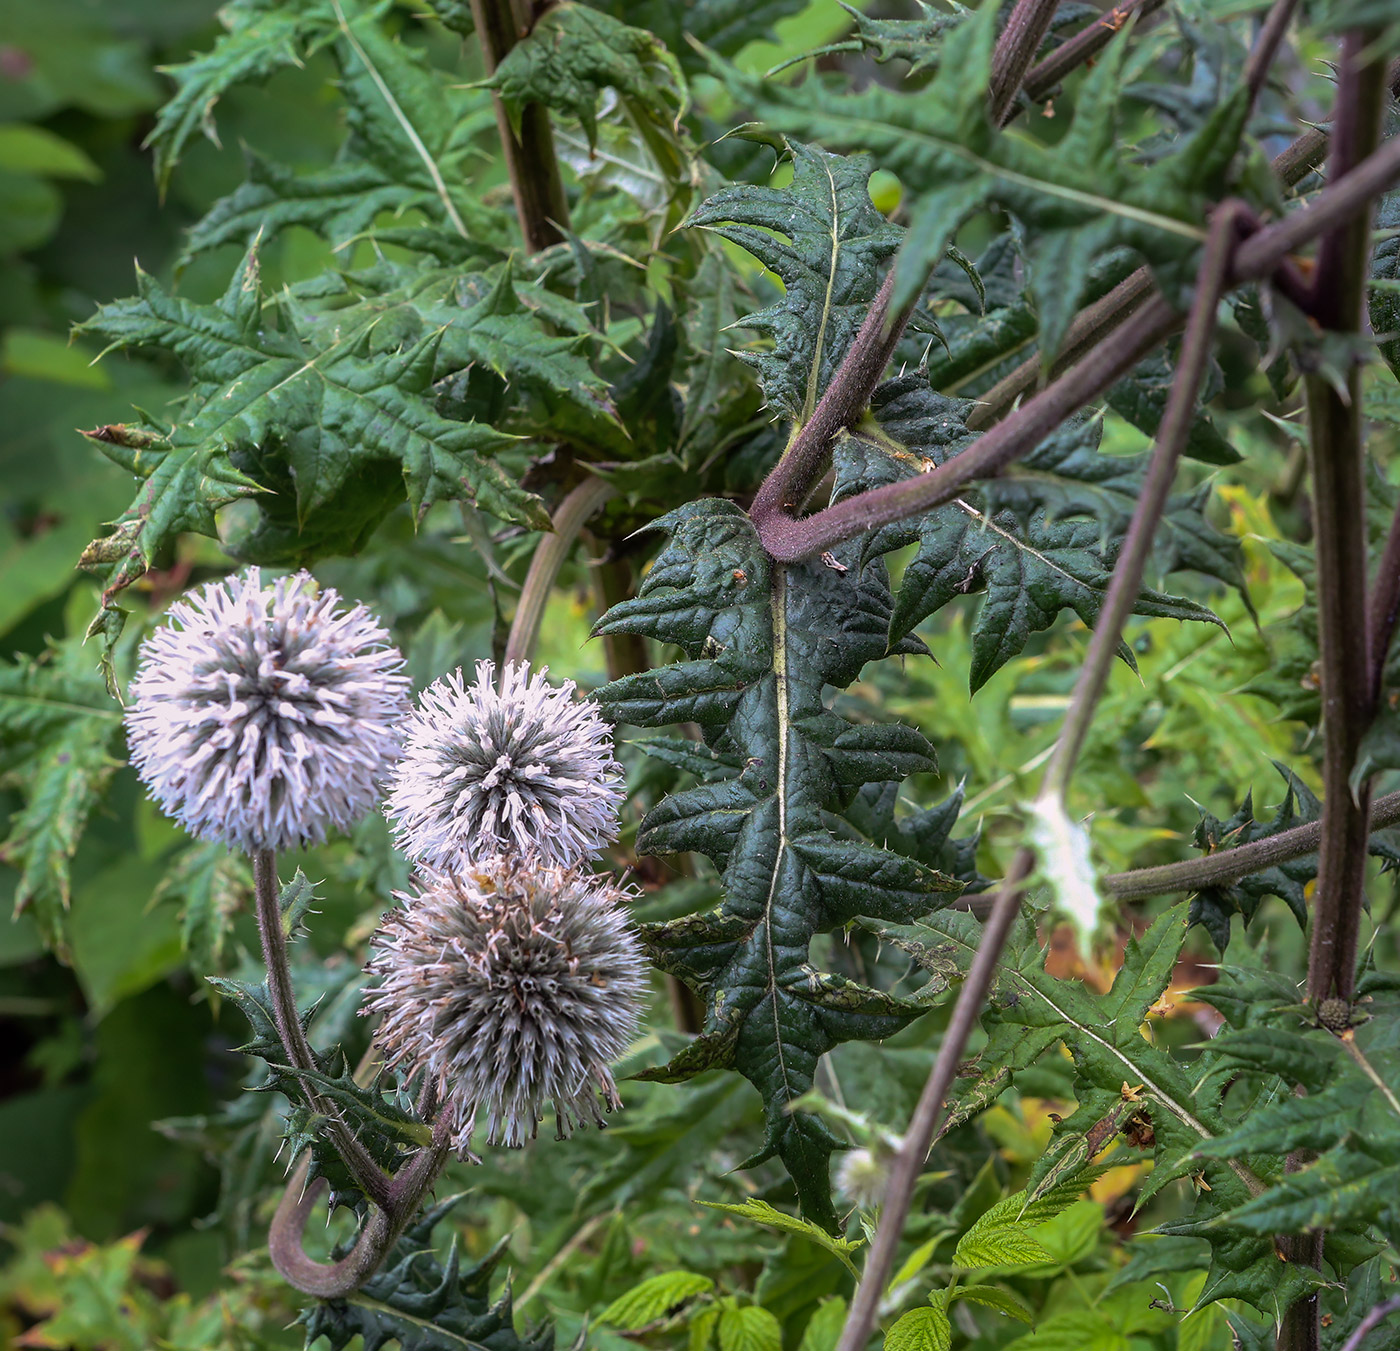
[790, 540]
[1229, 865]
[1171, 437]
[1046, 75]
[570, 517]
[909, 1161]
[1339, 516]
[1020, 40]
[530, 159]
[371, 1178]
[842, 403]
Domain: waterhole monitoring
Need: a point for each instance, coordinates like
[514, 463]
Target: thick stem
[1229, 865]
[570, 517]
[909, 1161]
[530, 159]
[1044, 77]
[1020, 40]
[1339, 515]
[842, 403]
[371, 1178]
[1171, 437]
[790, 540]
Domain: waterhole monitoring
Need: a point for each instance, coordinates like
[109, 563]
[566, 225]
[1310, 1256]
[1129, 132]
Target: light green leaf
[749, 1329]
[760, 1212]
[823, 1329]
[994, 1297]
[655, 1299]
[37, 150]
[925, 1329]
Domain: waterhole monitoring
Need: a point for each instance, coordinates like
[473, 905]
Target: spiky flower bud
[265, 717]
[511, 987]
[527, 768]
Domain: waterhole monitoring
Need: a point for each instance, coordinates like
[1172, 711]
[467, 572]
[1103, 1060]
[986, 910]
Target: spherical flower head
[525, 768]
[511, 987]
[266, 717]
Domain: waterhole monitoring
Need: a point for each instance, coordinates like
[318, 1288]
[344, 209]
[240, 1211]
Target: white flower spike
[525, 769]
[266, 717]
[511, 987]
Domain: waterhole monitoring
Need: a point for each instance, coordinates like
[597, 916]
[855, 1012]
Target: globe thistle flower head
[510, 987]
[266, 717]
[527, 768]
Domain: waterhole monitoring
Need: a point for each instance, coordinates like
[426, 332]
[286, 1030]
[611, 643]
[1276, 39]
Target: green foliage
[341, 356]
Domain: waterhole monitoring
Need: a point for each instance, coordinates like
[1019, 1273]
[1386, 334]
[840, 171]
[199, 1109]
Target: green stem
[572, 514]
[372, 1179]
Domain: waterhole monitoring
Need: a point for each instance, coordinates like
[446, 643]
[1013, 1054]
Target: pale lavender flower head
[266, 717]
[525, 769]
[511, 987]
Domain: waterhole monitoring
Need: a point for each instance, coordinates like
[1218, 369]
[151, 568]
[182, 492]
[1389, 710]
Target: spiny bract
[528, 768]
[512, 987]
[266, 717]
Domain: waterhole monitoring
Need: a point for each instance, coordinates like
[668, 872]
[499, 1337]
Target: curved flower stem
[378, 1234]
[1229, 865]
[570, 517]
[368, 1174]
[909, 1160]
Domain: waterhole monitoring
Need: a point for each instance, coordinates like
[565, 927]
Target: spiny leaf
[211, 885]
[762, 642]
[1075, 200]
[824, 238]
[261, 40]
[58, 729]
[422, 1304]
[1040, 539]
[1213, 906]
[326, 413]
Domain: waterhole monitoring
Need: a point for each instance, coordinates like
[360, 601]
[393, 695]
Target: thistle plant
[509, 988]
[525, 768]
[778, 502]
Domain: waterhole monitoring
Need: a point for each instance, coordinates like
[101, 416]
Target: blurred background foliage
[118, 1232]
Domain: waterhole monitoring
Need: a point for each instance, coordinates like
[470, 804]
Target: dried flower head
[264, 717]
[511, 987]
[526, 768]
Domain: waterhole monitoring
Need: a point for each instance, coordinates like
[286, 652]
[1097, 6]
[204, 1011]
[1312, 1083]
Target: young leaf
[924, 1329]
[749, 1329]
[760, 1212]
[657, 1298]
